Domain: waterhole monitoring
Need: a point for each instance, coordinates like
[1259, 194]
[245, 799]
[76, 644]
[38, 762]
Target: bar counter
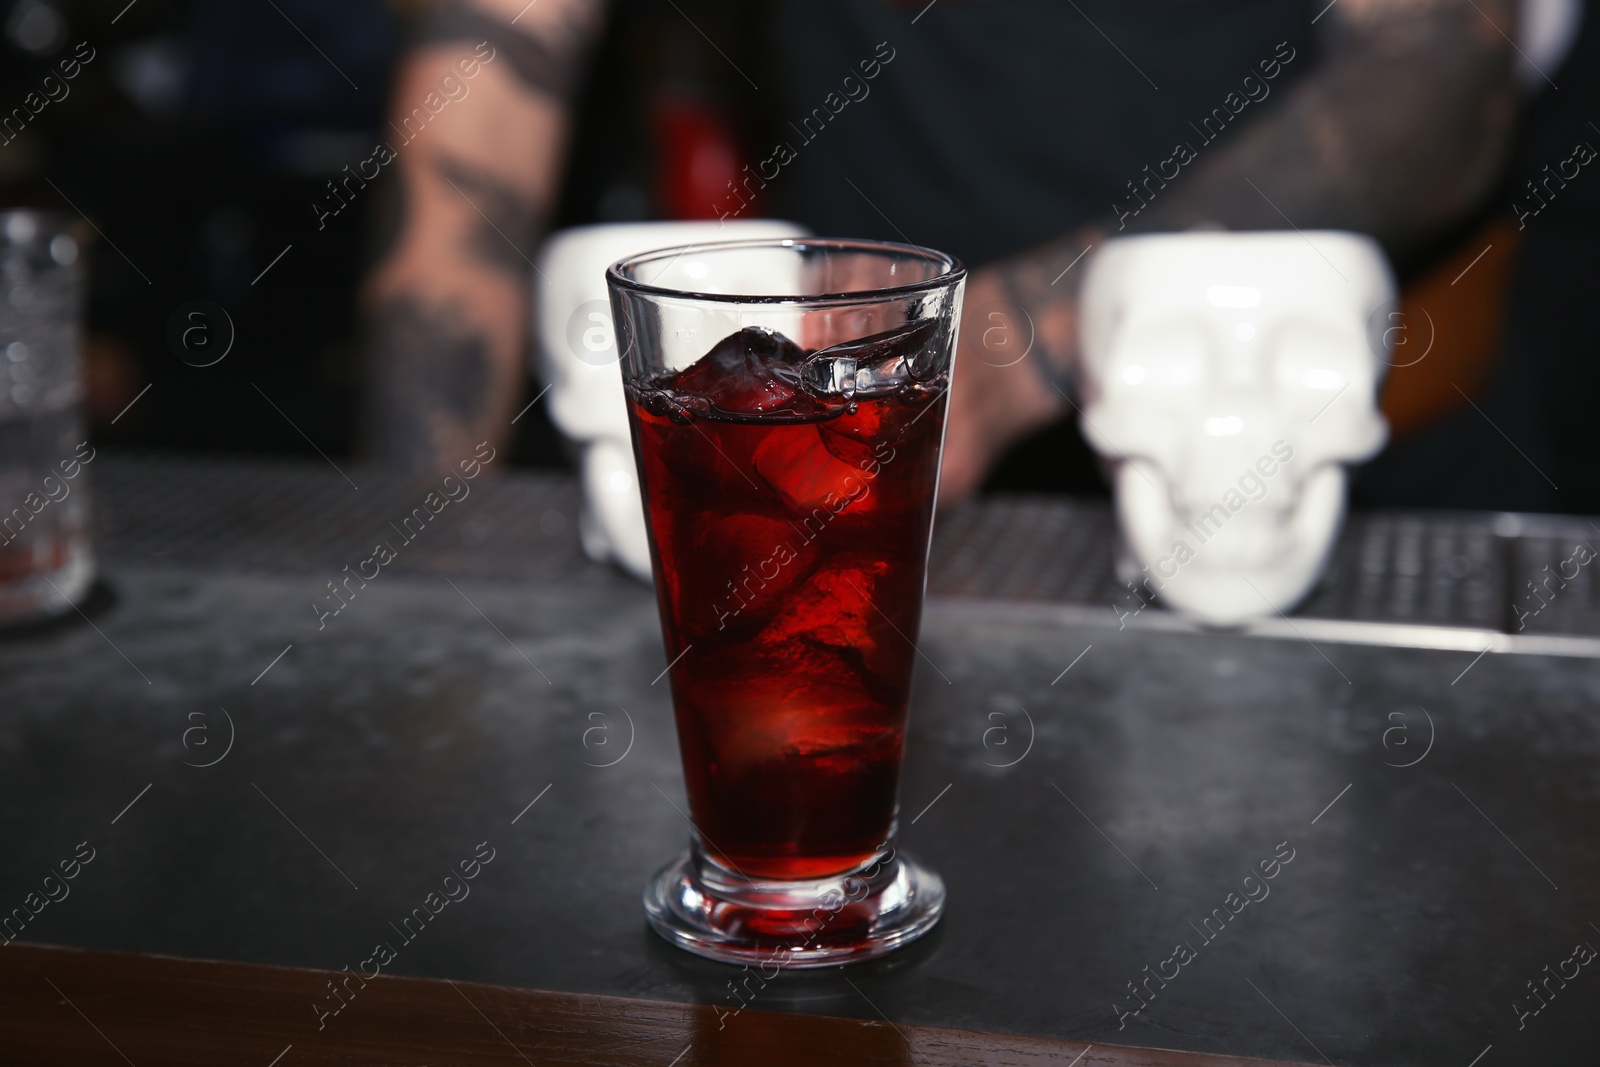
[1360, 834]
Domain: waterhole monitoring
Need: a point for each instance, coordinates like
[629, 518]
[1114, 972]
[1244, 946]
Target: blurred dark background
[194, 140]
[199, 134]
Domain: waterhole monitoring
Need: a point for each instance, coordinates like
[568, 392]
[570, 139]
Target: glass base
[699, 905]
[37, 595]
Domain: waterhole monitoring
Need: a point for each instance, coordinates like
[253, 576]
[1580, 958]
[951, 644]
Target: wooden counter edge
[89, 1007]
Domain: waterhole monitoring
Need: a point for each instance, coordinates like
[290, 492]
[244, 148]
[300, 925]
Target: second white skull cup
[1228, 378]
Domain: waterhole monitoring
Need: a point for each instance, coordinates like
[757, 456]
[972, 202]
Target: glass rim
[952, 271]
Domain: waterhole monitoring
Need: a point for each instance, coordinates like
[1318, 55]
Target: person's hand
[998, 395]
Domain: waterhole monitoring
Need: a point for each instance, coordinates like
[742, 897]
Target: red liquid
[790, 543]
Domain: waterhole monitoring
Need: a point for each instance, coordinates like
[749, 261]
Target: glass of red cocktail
[787, 403]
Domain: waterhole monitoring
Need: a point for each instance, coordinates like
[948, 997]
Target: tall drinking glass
[46, 565]
[787, 403]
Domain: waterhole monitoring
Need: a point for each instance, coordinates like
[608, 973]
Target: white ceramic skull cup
[1227, 378]
[578, 360]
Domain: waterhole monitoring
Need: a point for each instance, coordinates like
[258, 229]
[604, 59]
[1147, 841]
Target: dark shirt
[998, 124]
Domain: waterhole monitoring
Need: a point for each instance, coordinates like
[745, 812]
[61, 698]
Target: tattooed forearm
[548, 62]
[443, 351]
[1042, 287]
[433, 379]
[1403, 126]
[1399, 130]
[1402, 129]
[447, 304]
[503, 221]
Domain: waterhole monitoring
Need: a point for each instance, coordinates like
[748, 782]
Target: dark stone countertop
[378, 752]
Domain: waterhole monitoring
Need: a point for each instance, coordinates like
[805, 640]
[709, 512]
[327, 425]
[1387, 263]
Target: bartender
[1017, 135]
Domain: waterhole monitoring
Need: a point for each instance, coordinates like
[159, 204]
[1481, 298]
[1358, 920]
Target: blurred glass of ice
[46, 562]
